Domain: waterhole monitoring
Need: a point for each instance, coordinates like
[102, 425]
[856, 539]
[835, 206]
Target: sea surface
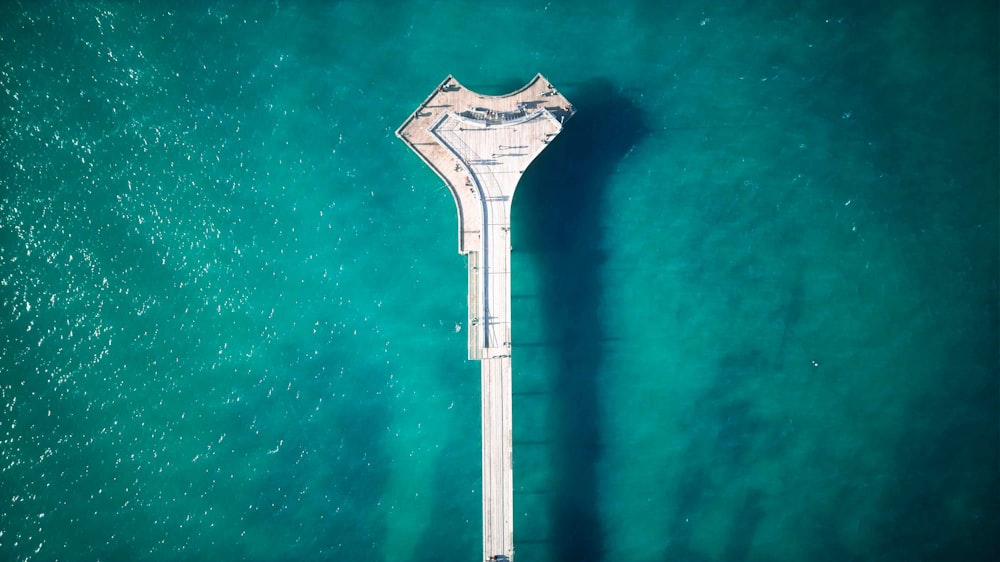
[755, 282]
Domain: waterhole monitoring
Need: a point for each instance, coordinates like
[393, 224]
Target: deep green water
[756, 283]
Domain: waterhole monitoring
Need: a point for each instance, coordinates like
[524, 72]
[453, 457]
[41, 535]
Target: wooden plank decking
[480, 146]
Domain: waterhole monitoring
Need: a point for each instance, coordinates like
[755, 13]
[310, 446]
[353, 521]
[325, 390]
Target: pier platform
[480, 147]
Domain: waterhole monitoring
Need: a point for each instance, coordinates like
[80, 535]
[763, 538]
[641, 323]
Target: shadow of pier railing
[559, 207]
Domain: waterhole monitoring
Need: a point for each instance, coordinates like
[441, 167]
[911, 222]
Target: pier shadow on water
[558, 222]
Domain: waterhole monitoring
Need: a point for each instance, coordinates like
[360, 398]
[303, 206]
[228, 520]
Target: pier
[480, 147]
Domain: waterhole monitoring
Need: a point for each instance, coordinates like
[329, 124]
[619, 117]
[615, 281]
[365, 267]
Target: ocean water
[755, 283]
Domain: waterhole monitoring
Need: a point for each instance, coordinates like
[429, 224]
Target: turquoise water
[756, 283]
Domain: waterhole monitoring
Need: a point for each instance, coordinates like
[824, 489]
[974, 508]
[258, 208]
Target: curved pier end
[480, 147]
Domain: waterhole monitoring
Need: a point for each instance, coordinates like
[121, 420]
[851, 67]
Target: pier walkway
[480, 146]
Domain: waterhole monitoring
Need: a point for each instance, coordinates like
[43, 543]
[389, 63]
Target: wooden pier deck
[480, 146]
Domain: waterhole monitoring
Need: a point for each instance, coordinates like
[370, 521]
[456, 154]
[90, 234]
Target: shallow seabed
[755, 283]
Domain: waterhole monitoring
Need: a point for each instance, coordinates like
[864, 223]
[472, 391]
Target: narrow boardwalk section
[480, 146]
